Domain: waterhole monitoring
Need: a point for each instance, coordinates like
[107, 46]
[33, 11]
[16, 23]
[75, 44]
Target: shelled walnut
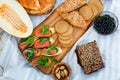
[61, 71]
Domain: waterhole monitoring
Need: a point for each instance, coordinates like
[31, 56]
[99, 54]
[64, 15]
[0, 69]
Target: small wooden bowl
[58, 65]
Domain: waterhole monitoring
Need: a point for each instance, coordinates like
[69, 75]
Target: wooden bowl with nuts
[61, 71]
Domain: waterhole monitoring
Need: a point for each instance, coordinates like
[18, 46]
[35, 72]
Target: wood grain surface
[77, 33]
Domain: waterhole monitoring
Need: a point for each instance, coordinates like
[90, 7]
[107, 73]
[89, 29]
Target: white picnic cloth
[18, 69]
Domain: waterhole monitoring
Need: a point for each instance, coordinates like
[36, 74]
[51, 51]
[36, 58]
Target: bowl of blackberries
[106, 23]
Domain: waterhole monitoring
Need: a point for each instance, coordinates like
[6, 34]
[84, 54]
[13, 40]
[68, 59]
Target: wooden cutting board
[77, 33]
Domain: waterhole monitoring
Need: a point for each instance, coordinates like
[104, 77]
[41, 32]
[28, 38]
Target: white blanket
[18, 69]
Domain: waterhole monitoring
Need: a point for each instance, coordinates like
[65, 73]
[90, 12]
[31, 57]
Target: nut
[58, 75]
[61, 71]
[57, 69]
[65, 72]
[62, 67]
[62, 74]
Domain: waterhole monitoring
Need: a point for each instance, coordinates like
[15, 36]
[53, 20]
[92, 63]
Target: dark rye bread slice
[89, 57]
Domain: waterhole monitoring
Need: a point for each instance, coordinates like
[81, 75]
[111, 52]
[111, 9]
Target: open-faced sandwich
[37, 7]
[40, 47]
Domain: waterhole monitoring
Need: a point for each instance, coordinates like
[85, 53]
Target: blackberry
[104, 24]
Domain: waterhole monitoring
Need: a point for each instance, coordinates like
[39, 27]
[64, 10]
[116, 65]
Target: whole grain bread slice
[89, 57]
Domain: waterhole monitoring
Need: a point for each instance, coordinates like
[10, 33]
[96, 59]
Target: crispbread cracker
[61, 27]
[67, 45]
[86, 12]
[69, 32]
[97, 3]
[65, 37]
[65, 41]
[94, 9]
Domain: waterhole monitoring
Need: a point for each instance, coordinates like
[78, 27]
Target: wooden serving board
[77, 33]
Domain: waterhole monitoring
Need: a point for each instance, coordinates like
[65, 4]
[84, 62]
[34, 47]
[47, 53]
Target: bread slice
[75, 19]
[14, 19]
[89, 57]
[70, 5]
[38, 7]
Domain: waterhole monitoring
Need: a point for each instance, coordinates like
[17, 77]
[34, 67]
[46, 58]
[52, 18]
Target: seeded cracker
[89, 57]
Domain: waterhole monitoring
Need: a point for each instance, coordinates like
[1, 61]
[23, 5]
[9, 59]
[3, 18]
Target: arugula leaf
[42, 40]
[30, 54]
[28, 40]
[52, 47]
[54, 60]
[44, 61]
[44, 29]
[47, 64]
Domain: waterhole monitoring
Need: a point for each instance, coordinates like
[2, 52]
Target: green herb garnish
[44, 29]
[30, 54]
[54, 60]
[44, 61]
[52, 47]
[42, 40]
[28, 40]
